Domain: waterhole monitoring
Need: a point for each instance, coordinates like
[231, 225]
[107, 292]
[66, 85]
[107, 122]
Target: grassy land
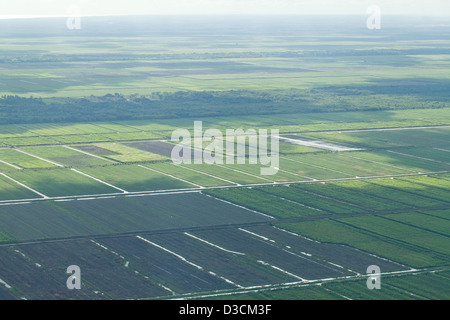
[91, 91]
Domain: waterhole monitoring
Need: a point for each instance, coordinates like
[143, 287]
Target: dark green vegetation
[271, 66]
[86, 179]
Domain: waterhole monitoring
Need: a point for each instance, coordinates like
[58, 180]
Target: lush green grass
[129, 154]
[356, 195]
[10, 190]
[398, 158]
[412, 193]
[424, 221]
[227, 173]
[323, 204]
[432, 286]
[357, 290]
[134, 178]
[260, 201]
[188, 175]
[444, 214]
[66, 133]
[297, 165]
[388, 139]
[60, 182]
[345, 165]
[4, 237]
[66, 157]
[337, 232]
[22, 160]
[422, 239]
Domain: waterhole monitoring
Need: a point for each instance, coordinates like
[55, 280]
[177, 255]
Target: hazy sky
[23, 8]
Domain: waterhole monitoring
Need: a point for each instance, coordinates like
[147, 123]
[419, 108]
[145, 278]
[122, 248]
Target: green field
[60, 182]
[135, 178]
[87, 123]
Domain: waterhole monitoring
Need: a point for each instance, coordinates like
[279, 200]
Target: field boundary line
[415, 226]
[380, 163]
[239, 206]
[189, 262]
[440, 149]
[413, 156]
[98, 180]
[169, 175]
[11, 165]
[282, 270]
[40, 158]
[210, 175]
[317, 166]
[14, 204]
[243, 172]
[296, 174]
[192, 190]
[89, 154]
[171, 252]
[292, 201]
[307, 283]
[24, 185]
[334, 292]
[393, 238]
[257, 235]
[319, 144]
[214, 245]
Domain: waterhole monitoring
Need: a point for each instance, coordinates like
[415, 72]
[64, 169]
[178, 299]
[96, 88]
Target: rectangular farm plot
[21, 160]
[423, 220]
[133, 178]
[67, 156]
[357, 290]
[418, 194]
[72, 218]
[321, 203]
[433, 286]
[159, 212]
[309, 170]
[416, 236]
[297, 267]
[181, 172]
[4, 167]
[345, 257]
[60, 182]
[263, 202]
[398, 158]
[345, 164]
[94, 150]
[43, 220]
[105, 271]
[10, 190]
[438, 155]
[228, 174]
[124, 153]
[157, 147]
[357, 196]
[172, 270]
[387, 138]
[234, 266]
[280, 176]
[31, 281]
[338, 232]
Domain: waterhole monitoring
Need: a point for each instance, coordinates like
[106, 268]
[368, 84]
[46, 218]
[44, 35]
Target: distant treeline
[191, 104]
[52, 58]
